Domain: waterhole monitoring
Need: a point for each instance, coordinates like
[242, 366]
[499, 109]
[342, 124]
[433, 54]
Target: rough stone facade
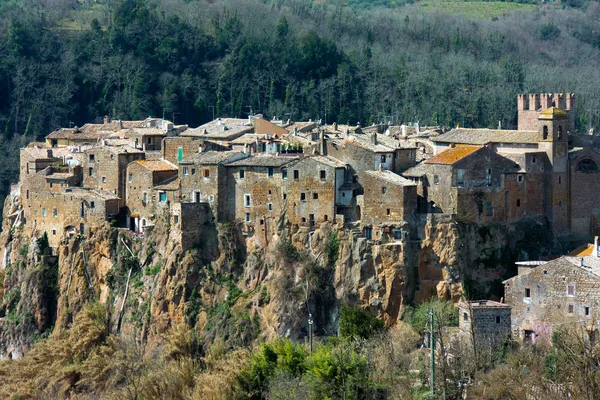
[485, 323]
[559, 292]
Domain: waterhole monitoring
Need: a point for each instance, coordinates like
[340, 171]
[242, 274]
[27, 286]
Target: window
[436, 180]
[559, 180]
[55, 213]
[92, 204]
[51, 184]
[383, 158]
[162, 197]
[465, 316]
[411, 155]
[488, 177]
[103, 179]
[528, 293]
[27, 194]
[270, 172]
[206, 173]
[383, 189]
[560, 132]
[247, 200]
[533, 160]
[185, 171]
[325, 218]
[285, 196]
[176, 219]
[130, 177]
[91, 171]
[315, 196]
[518, 202]
[53, 232]
[519, 178]
[91, 157]
[460, 176]
[270, 206]
[269, 192]
[587, 165]
[211, 198]
[145, 198]
[570, 308]
[497, 319]
[323, 174]
[284, 173]
[571, 290]
[296, 174]
[43, 212]
[193, 171]
[560, 203]
[302, 196]
[586, 311]
[242, 173]
[387, 212]
[149, 140]
[144, 222]
[545, 132]
[247, 217]
[489, 209]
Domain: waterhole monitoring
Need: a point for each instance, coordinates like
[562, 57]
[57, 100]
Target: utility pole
[310, 332]
[431, 353]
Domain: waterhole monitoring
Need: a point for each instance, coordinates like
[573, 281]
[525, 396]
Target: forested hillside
[66, 62]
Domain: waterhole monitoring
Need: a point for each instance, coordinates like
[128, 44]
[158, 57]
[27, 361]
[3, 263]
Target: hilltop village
[372, 180]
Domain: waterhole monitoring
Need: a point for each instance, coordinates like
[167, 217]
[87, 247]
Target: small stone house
[484, 323]
[144, 203]
[387, 201]
[203, 178]
[559, 292]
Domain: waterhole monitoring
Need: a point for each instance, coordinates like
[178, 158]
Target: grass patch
[475, 9]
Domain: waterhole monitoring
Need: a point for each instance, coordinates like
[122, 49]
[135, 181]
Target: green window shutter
[180, 154]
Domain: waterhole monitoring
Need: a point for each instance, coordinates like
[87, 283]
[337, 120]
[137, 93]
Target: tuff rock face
[230, 287]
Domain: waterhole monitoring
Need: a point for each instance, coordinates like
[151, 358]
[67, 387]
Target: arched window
[545, 132]
[587, 165]
[560, 132]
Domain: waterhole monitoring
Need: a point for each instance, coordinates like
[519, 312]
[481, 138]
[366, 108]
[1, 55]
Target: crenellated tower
[529, 107]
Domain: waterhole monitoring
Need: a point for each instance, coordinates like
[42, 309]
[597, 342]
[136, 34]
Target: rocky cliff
[229, 287]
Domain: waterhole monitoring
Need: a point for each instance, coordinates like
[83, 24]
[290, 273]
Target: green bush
[355, 323]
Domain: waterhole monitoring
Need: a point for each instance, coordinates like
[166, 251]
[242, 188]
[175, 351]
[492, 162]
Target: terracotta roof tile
[453, 154]
[484, 136]
[157, 165]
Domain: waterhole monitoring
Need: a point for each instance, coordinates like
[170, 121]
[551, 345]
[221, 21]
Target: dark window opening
[270, 172]
[528, 292]
[296, 174]
[323, 174]
[315, 196]
[587, 165]
[545, 132]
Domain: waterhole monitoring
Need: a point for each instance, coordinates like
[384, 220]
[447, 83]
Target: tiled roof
[157, 165]
[169, 184]
[60, 176]
[41, 153]
[365, 142]
[332, 162]
[224, 128]
[553, 113]
[211, 157]
[148, 131]
[484, 136]
[581, 251]
[262, 161]
[391, 177]
[453, 154]
[417, 171]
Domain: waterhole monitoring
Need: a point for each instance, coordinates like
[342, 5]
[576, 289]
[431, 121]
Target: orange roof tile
[453, 154]
[582, 251]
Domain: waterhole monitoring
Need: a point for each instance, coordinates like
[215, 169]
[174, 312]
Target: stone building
[552, 294]
[105, 168]
[547, 179]
[486, 324]
[203, 178]
[143, 202]
[387, 202]
[69, 212]
[175, 149]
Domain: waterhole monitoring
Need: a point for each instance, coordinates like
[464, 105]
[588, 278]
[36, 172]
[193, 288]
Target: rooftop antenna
[71, 123]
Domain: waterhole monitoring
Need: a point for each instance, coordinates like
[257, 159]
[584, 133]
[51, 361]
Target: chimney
[534, 102]
[373, 138]
[544, 101]
[499, 125]
[335, 126]
[596, 249]
[106, 119]
[322, 147]
[569, 101]
[50, 154]
[403, 130]
[520, 102]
